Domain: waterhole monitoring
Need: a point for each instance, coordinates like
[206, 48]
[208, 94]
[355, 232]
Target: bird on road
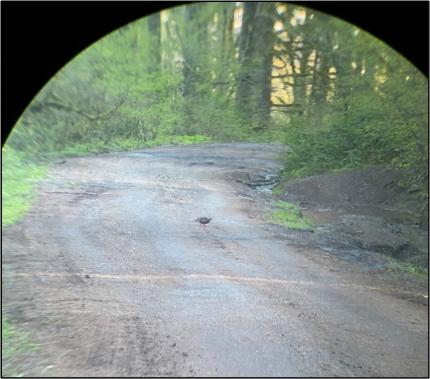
[203, 220]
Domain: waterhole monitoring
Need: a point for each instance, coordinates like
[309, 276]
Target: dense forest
[254, 71]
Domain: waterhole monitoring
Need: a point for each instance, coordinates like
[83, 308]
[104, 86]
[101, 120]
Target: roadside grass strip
[15, 344]
[19, 181]
[289, 215]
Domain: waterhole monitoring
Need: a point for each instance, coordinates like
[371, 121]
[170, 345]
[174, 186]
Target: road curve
[114, 277]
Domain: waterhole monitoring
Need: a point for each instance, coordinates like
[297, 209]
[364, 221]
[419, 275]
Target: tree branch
[59, 103]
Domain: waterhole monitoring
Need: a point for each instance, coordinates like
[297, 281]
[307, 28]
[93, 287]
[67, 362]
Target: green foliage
[19, 181]
[372, 108]
[408, 268]
[14, 340]
[278, 190]
[115, 91]
[289, 215]
[15, 343]
[188, 140]
[388, 127]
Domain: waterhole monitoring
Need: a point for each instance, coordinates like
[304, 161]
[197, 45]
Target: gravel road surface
[113, 276]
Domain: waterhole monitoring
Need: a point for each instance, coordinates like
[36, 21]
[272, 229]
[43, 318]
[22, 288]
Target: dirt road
[112, 276]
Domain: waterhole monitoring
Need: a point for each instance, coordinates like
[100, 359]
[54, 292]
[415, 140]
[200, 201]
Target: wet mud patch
[261, 182]
[204, 163]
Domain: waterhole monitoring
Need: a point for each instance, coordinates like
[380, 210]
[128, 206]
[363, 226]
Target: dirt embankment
[362, 215]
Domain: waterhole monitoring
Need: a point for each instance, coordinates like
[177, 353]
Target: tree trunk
[320, 79]
[264, 47]
[189, 66]
[227, 30]
[244, 80]
[155, 30]
[254, 86]
[195, 51]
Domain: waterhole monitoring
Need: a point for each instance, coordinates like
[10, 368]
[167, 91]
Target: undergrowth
[124, 144]
[15, 344]
[19, 181]
[405, 267]
[289, 215]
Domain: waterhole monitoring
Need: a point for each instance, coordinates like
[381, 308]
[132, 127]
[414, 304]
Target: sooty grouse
[203, 220]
